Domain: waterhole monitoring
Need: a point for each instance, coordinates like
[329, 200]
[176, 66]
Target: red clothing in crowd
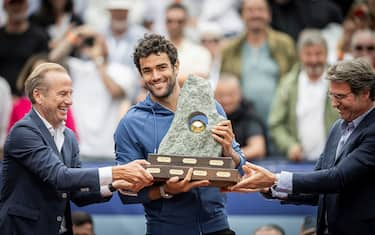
[22, 106]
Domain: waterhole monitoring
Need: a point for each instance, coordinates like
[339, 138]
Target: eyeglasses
[210, 40]
[178, 21]
[338, 96]
[363, 47]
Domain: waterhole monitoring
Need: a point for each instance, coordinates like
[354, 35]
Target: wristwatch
[164, 194]
[111, 188]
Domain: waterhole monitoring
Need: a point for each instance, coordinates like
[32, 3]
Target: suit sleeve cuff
[105, 176]
[277, 194]
[284, 182]
[104, 191]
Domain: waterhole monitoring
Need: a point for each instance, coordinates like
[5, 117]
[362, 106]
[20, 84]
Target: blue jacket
[342, 186]
[39, 182]
[199, 210]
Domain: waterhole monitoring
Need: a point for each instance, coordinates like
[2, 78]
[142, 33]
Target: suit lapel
[335, 141]
[45, 132]
[348, 144]
[66, 151]
[354, 136]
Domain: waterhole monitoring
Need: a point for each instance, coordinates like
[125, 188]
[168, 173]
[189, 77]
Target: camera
[89, 41]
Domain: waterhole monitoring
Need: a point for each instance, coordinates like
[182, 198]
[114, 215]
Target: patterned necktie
[344, 136]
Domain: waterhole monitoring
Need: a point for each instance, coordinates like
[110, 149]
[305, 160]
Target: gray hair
[36, 80]
[310, 37]
[362, 32]
[358, 73]
[270, 227]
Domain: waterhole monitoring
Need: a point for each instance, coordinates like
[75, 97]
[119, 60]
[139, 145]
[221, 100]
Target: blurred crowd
[265, 60]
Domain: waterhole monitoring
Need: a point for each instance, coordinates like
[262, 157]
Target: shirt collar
[50, 128]
[356, 121]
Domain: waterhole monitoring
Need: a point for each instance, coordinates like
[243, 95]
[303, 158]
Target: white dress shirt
[310, 109]
[105, 173]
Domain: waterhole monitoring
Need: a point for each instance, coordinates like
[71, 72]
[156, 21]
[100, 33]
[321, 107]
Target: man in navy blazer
[343, 181]
[41, 166]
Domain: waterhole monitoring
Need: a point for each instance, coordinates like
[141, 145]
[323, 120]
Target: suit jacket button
[64, 195]
[84, 189]
[59, 218]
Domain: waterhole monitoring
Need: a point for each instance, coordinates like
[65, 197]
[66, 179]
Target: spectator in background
[57, 18]
[121, 36]
[301, 114]
[154, 15]
[211, 37]
[5, 108]
[363, 45]
[193, 58]
[82, 223]
[358, 18]
[292, 16]
[99, 81]
[269, 229]
[249, 130]
[223, 13]
[22, 104]
[259, 57]
[19, 40]
[155, 12]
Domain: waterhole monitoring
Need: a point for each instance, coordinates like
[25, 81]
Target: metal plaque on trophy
[189, 143]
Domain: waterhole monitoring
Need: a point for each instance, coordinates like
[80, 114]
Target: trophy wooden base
[191, 161]
[219, 171]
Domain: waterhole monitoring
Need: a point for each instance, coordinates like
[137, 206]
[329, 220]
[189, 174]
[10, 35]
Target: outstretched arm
[255, 179]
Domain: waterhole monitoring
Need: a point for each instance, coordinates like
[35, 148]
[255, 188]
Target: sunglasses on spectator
[363, 47]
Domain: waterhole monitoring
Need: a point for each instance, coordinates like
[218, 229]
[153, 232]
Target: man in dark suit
[342, 183]
[41, 163]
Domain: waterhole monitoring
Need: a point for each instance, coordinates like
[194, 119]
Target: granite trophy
[188, 142]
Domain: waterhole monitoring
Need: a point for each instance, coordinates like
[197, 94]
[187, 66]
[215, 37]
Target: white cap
[210, 29]
[119, 4]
